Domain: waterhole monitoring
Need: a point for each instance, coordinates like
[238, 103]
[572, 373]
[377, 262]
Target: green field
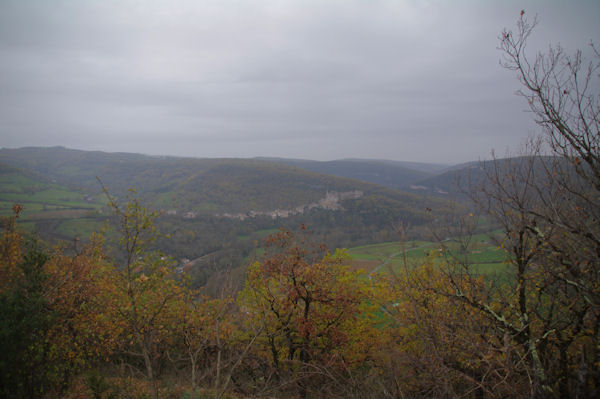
[39, 197]
[67, 213]
[483, 255]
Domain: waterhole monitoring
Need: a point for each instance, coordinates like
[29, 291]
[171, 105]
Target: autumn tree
[309, 304]
[11, 249]
[23, 333]
[563, 223]
[143, 296]
[72, 291]
[47, 301]
[204, 338]
[438, 345]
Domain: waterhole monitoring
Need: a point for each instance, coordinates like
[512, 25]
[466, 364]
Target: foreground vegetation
[306, 324]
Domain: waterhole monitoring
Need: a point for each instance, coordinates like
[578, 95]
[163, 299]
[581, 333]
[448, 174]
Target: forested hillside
[215, 212]
[461, 182]
[395, 175]
[206, 186]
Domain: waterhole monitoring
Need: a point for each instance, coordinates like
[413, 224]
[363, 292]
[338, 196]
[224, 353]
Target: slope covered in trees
[391, 174]
[215, 211]
[204, 186]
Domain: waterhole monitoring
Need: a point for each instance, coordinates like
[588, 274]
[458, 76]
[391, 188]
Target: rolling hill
[216, 211]
[206, 186]
[391, 174]
[458, 181]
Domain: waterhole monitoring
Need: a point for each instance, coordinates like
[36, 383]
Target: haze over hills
[392, 174]
[217, 211]
[213, 186]
[221, 208]
[212, 204]
[432, 168]
[457, 181]
[209, 185]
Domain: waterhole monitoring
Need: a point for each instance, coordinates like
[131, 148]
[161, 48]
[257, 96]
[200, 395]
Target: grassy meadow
[484, 254]
[66, 212]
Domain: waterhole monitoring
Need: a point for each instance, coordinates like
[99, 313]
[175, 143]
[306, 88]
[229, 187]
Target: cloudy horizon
[403, 80]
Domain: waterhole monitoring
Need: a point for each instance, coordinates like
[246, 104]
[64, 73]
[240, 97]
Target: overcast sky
[317, 79]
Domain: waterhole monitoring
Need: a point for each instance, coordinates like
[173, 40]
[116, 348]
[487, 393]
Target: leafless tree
[547, 202]
[548, 205]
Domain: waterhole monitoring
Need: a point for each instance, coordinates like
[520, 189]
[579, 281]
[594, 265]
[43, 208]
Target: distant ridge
[214, 185]
[456, 180]
[432, 168]
[392, 174]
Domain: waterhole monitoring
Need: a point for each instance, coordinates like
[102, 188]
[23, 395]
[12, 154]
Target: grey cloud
[410, 80]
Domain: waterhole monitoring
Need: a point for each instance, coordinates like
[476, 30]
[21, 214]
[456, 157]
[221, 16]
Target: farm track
[392, 256]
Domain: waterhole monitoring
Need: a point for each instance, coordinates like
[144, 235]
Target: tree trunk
[149, 369]
[540, 385]
[193, 363]
[218, 372]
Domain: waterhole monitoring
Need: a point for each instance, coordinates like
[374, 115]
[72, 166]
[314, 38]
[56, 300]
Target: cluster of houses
[332, 201]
